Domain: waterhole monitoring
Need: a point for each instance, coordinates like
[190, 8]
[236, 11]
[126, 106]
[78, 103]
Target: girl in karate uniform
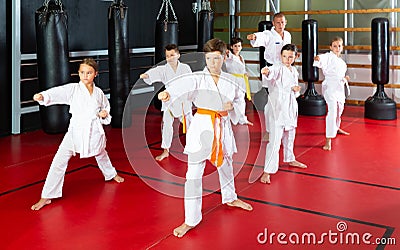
[90, 109]
[236, 66]
[216, 95]
[164, 73]
[334, 69]
[282, 80]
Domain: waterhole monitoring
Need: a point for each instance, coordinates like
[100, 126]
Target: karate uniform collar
[83, 86]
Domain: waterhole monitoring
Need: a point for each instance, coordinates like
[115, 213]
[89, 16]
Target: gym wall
[87, 32]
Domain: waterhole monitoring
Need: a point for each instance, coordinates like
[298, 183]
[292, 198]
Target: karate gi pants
[167, 127]
[55, 178]
[194, 188]
[277, 136]
[266, 118]
[333, 120]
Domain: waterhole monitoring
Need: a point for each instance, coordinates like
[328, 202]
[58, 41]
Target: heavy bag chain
[167, 4]
[117, 4]
[57, 2]
[45, 11]
[206, 6]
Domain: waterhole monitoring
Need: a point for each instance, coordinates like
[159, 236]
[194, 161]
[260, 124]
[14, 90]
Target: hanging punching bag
[52, 61]
[119, 63]
[205, 25]
[310, 103]
[380, 106]
[166, 33]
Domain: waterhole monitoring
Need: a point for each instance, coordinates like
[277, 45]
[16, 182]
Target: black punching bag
[262, 26]
[380, 106]
[119, 63]
[260, 98]
[53, 62]
[205, 25]
[310, 103]
[166, 33]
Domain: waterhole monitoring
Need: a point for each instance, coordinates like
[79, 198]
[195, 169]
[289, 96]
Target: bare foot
[240, 204]
[265, 178]
[41, 203]
[266, 137]
[341, 131]
[328, 145]
[297, 164]
[118, 179]
[164, 154]
[182, 230]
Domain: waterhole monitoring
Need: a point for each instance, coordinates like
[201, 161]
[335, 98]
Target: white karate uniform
[165, 73]
[85, 133]
[273, 43]
[236, 65]
[334, 70]
[204, 93]
[282, 115]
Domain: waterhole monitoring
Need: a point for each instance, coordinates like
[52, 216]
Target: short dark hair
[235, 40]
[172, 47]
[289, 47]
[90, 62]
[215, 44]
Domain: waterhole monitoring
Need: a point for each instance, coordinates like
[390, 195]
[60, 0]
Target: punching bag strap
[167, 4]
[117, 4]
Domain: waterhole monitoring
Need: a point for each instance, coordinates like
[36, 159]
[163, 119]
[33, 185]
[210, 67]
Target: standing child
[216, 95]
[90, 109]
[334, 70]
[283, 89]
[165, 73]
[236, 66]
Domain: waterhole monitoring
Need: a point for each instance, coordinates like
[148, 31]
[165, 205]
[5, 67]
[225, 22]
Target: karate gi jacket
[85, 133]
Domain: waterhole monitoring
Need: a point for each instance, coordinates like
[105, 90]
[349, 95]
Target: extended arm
[56, 95]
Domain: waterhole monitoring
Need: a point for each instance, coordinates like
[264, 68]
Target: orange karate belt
[246, 80]
[217, 155]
